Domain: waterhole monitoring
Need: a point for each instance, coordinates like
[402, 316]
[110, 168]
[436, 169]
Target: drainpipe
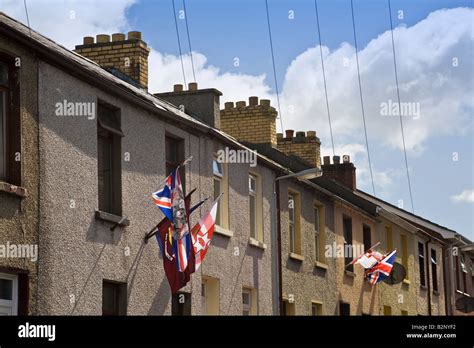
[428, 282]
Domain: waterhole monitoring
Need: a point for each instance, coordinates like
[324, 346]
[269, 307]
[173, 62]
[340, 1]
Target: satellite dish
[465, 304]
[397, 275]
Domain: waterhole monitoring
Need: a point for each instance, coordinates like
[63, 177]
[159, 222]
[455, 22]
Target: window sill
[349, 273]
[13, 189]
[114, 219]
[406, 281]
[222, 231]
[321, 265]
[423, 287]
[296, 257]
[436, 292]
[256, 243]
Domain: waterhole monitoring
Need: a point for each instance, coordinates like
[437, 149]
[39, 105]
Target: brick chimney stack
[306, 146]
[202, 104]
[125, 57]
[344, 173]
[254, 123]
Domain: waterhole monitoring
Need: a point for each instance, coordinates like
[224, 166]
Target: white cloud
[425, 54]
[466, 196]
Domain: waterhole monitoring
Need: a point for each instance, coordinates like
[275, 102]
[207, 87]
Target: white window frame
[292, 221]
[13, 303]
[253, 194]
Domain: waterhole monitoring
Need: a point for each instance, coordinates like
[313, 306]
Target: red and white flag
[202, 234]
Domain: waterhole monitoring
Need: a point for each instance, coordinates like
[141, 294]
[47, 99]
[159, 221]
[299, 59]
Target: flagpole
[182, 164]
[154, 230]
[353, 261]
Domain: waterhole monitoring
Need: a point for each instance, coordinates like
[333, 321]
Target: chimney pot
[192, 86]
[311, 134]
[289, 133]
[265, 102]
[118, 37]
[327, 160]
[228, 105]
[240, 103]
[178, 88]
[253, 101]
[336, 159]
[134, 35]
[103, 38]
[88, 40]
[300, 134]
[346, 159]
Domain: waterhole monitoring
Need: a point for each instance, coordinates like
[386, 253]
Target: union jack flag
[170, 200]
[382, 269]
[162, 198]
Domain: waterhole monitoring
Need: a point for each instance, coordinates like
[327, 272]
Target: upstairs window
[434, 270]
[10, 129]
[421, 263]
[109, 159]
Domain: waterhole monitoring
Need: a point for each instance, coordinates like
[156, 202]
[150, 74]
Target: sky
[433, 42]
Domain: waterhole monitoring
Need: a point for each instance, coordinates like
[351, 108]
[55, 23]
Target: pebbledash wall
[78, 251]
[19, 203]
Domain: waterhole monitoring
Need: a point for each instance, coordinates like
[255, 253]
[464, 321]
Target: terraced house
[83, 146]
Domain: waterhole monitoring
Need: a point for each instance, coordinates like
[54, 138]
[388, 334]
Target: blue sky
[431, 34]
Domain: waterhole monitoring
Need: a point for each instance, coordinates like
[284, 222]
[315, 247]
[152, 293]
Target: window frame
[12, 136]
[434, 269]
[110, 139]
[13, 303]
[421, 263]
[218, 177]
[120, 297]
[345, 234]
[295, 241]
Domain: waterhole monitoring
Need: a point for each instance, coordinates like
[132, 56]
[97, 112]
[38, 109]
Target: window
[434, 270]
[461, 272]
[249, 301]
[218, 172]
[388, 234]
[114, 298]
[347, 231]
[366, 237]
[421, 263]
[253, 205]
[210, 297]
[8, 294]
[181, 304]
[109, 159]
[316, 308]
[294, 222]
[404, 247]
[288, 308]
[387, 310]
[344, 309]
[10, 127]
[174, 149]
[317, 235]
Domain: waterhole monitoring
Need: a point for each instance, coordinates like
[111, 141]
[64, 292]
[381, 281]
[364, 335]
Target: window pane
[217, 168]
[253, 216]
[6, 289]
[2, 134]
[292, 238]
[246, 298]
[252, 183]
[217, 192]
[291, 209]
[104, 163]
[316, 219]
[3, 74]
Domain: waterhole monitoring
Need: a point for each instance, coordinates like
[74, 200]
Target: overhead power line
[399, 107]
[274, 69]
[179, 42]
[324, 75]
[189, 39]
[361, 98]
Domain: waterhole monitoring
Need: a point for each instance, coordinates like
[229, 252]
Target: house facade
[85, 145]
